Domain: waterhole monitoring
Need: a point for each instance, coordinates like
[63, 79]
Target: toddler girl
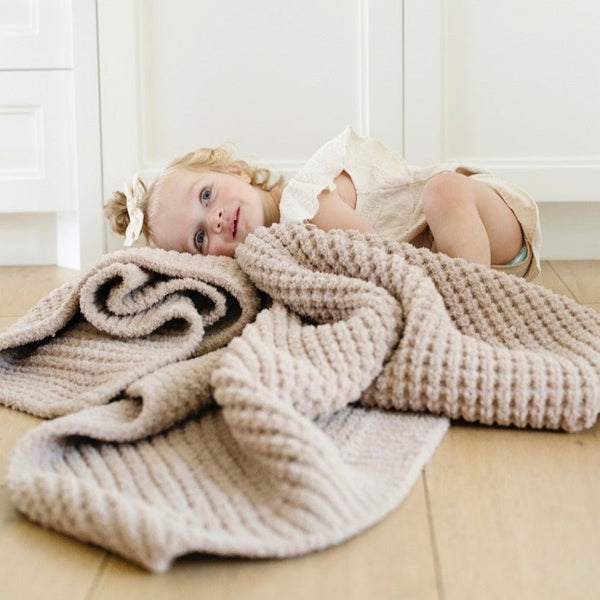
[207, 202]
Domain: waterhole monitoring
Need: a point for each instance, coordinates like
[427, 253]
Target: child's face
[206, 212]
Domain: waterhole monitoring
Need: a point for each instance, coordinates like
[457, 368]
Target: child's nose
[217, 219]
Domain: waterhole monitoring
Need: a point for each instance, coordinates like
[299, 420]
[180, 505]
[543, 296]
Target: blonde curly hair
[220, 159]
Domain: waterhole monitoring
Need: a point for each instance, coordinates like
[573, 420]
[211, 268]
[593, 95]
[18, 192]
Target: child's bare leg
[468, 219]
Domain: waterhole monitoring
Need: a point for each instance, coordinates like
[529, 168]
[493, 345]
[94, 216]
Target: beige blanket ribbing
[191, 425]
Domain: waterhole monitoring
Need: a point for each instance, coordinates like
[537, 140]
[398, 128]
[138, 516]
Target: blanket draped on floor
[235, 406]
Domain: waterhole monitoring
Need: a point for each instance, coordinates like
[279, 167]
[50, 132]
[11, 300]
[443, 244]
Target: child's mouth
[235, 222]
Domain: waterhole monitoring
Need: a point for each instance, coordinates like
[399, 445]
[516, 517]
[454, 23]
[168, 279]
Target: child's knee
[445, 194]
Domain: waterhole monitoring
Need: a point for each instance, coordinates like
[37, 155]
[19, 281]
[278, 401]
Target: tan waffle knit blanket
[191, 425]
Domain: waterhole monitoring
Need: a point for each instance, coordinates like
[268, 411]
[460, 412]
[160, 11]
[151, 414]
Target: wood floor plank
[13, 425]
[582, 277]
[391, 560]
[550, 279]
[515, 513]
[36, 563]
[22, 287]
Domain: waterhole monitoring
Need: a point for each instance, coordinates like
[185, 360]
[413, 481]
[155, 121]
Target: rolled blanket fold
[132, 313]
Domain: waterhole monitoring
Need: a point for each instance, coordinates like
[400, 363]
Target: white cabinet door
[511, 85]
[36, 141]
[275, 78]
[35, 34]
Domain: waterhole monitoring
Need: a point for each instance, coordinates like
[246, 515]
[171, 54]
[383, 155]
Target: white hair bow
[134, 193]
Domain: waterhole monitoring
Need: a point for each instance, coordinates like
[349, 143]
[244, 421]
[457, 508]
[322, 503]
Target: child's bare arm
[334, 213]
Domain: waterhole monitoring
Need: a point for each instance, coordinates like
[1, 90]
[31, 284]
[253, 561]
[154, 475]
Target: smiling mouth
[235, 222]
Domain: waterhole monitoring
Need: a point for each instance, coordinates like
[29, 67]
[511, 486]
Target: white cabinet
[36, 106]
[49, 133]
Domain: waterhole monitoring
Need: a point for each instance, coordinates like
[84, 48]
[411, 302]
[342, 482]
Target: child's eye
[205, 195]
[199, 240]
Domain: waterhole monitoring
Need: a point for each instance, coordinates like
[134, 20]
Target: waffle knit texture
[235, 407]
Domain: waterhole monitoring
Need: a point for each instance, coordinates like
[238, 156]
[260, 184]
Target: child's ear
[240, 173]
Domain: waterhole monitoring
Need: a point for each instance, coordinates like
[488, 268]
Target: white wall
[275, 78]
[512, 85]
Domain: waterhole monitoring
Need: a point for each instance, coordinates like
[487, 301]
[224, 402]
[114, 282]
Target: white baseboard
[68, 240]
[570, 230]
[28, 239]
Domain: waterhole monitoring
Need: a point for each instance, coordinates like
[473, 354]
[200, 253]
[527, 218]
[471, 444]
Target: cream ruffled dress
[389, 194]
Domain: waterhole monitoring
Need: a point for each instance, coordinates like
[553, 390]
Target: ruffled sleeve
[299, 201]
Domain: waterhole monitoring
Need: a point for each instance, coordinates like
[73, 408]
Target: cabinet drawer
[36, 141]
[35, 34]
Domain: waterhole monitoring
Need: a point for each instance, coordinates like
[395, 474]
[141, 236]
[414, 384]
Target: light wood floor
[497, 513]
